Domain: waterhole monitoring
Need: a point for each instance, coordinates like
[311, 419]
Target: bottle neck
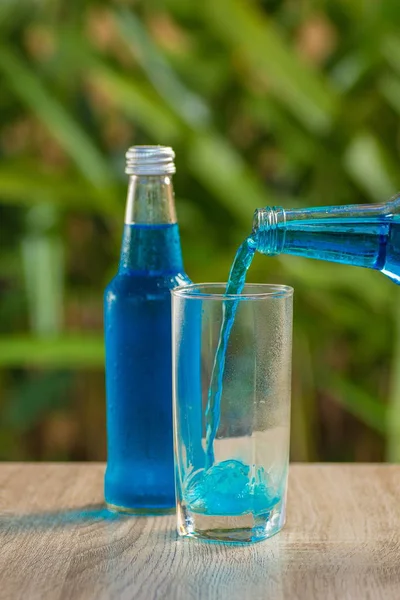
[151, 242]
[150, 200]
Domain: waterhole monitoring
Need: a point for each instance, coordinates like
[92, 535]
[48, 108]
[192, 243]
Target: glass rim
[192, 291]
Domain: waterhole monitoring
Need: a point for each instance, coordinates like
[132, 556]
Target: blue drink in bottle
[137, 310]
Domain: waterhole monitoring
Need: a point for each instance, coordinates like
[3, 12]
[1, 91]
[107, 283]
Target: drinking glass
[231, 444]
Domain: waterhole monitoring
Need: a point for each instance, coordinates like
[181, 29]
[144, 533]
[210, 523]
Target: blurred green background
[281, 102]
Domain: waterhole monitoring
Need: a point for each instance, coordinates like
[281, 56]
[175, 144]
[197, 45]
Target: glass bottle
[361, 235]
[139, 475]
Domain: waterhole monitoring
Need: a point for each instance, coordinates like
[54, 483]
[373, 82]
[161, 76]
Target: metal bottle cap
[150, 160]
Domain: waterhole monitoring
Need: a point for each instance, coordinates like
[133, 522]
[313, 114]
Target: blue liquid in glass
[231, 488]
[140, 472]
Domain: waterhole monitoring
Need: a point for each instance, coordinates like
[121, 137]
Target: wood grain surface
[341, 541]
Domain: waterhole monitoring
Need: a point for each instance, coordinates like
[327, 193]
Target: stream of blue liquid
[236, 281]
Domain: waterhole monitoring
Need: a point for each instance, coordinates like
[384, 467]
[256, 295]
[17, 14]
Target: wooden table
[342, 541]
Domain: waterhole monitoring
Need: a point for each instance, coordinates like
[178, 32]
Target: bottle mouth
[150, 160]
[269, 229]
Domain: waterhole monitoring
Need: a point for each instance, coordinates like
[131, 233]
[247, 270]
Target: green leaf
[349, 71]
[330, 278]
[391, 51]
[79, 352]
[222, 171]
[139, 103]
[12, 13]
[192, 109]
[299, 146]
[358, 402]
[370, 167]
[304, 414]
[25, 185]
[35, 398]
[390, 89]
[61, 125]
[43, 261]
[255, 39]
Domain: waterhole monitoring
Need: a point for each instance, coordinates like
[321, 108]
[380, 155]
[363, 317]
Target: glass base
[140, 512]
[233, 529]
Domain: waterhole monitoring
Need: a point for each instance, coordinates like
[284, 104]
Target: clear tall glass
[231, 440]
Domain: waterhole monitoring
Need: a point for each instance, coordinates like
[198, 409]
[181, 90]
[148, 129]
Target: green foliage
[264, 103]
[79, 352]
